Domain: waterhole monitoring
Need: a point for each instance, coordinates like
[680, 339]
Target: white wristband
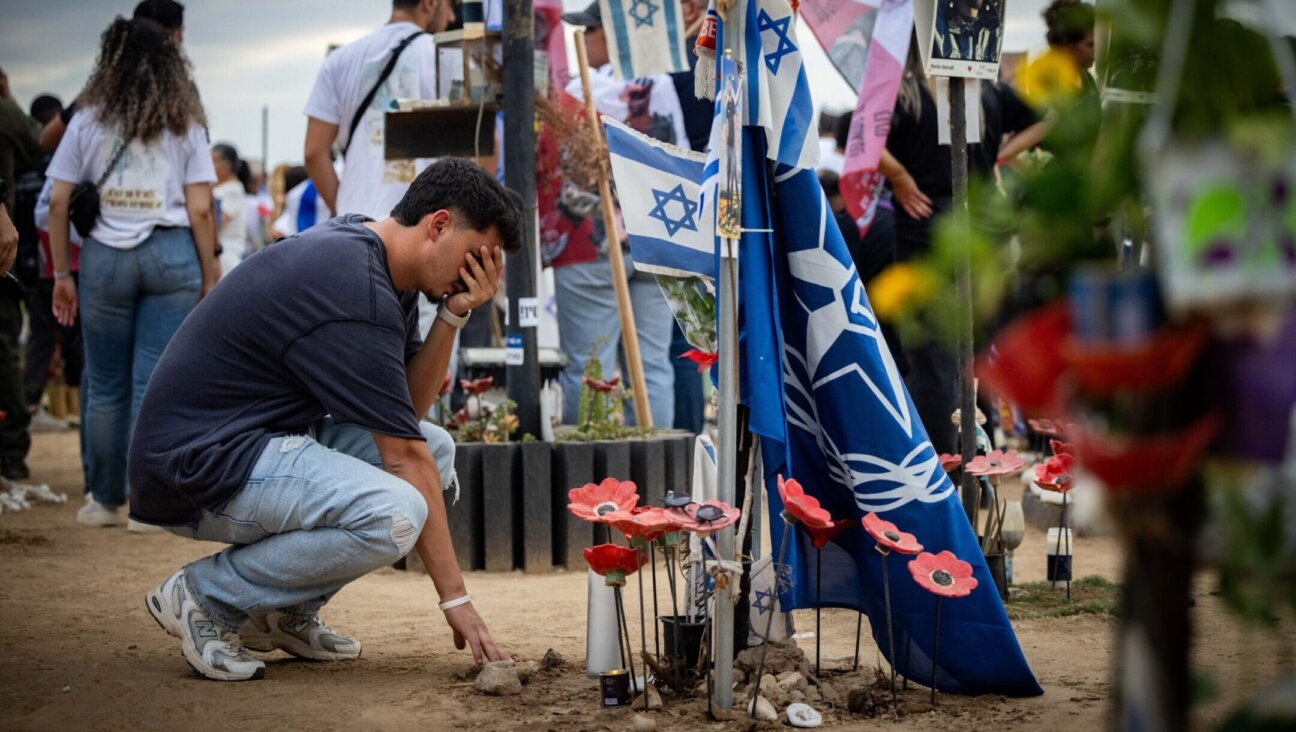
[451, 604]
[458, 321]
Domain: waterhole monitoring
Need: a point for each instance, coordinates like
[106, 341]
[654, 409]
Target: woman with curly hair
[141, 137]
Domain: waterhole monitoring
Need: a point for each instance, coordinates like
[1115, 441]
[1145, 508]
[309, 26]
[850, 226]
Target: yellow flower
[1050, 81]
[901, 289]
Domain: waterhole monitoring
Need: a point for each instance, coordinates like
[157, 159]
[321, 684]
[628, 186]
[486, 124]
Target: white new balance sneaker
[304, 636]
[94, 513]
[210, 649]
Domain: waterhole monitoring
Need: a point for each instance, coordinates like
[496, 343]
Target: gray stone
[802, 715]
[770, 689]
[498, 678]
[792, 680]
[830, 694]
[654, 699]
[764, 710]
[644, 723]
[552, 659]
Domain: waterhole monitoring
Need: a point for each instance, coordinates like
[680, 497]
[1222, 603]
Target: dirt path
[79, 651]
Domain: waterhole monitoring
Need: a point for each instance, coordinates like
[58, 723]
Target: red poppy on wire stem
[801, 507]
[950, 462]
[1055, 474]
[704, 518]
[613, 563]
[889, 537]
[1062, 448]
[819, 538]
[643, 524]
[996, 462]
[602, 387]
[592, 502]
[943, 574]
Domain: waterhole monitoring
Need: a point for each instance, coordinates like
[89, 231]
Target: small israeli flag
[670, 223]
[644, 37]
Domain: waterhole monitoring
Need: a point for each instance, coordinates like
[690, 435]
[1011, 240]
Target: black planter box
[512, 509]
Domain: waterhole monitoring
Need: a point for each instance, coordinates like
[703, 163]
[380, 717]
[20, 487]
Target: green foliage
[1257, 558]
[601, 416]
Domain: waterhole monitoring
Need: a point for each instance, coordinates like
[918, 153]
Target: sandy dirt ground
[78, 650]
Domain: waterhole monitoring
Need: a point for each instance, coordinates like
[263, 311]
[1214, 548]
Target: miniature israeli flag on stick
[644, 37]
[670, 223]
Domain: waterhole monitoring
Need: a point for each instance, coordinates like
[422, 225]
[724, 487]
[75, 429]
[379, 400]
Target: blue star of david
[785, 45]
[764, 601]
[659, 211]
[642, 11]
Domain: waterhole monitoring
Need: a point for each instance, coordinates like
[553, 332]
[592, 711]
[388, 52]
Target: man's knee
[442, 447]
[408, 514]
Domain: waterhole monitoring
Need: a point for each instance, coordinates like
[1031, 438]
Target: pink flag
[887, 50]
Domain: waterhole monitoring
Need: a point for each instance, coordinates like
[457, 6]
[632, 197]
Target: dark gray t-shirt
[308, 327]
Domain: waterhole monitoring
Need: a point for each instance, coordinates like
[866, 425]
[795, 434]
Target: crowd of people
[199, 394]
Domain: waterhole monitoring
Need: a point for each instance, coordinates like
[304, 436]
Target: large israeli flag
[644, 37]
[670, 223]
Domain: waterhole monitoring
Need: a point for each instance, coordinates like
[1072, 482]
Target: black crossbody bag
[386, 72]
[83, 207]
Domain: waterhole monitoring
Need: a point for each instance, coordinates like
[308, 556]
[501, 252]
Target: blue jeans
[132, 302]
[587, 311]
[317, 512]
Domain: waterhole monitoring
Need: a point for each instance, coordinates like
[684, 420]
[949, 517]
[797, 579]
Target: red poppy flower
[996, 463]
[477, 386]
[642, 524]
[950, 462]
[704, 359]
[613, 563]
[1054, 474]
[889, 537]
[943, 574]
[819, 538]
[603, 387]
[593, 502]
[1025, 364]
[704, 518]
[802, 507]
[461, 416]
[1061, 448]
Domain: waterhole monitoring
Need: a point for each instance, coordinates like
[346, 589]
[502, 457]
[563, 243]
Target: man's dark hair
[1068, 21]
[45, 108]
[404, 4]
[227, 152]
[167, 13]
[467, 191]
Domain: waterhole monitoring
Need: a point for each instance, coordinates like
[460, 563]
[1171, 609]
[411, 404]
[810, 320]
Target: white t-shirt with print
[369, 184]
[146, 189]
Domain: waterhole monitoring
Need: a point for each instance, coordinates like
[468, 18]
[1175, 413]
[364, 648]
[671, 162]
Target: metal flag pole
[629, 335]
[729, 229]
[963, 286]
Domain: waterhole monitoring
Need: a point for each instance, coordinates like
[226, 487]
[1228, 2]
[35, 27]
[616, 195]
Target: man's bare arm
[410, 461]
[319, 166]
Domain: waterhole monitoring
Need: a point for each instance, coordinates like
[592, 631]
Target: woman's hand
[911, 198]
[471, 631]
[65, 301]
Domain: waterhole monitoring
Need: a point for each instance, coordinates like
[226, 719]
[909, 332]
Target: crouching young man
[283, 419]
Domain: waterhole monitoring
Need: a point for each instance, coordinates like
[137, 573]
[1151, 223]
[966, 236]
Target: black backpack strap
[386, 72]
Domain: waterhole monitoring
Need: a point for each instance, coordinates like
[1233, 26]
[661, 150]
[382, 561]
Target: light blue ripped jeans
[317, 512]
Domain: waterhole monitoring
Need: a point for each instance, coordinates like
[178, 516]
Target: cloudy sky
[249, 54]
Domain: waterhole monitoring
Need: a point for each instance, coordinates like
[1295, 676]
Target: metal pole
[727, 458]
[520, 177]
[265, 141]
[967, 396]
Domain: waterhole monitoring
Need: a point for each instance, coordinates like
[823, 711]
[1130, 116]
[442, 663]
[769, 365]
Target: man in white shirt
[369, 184]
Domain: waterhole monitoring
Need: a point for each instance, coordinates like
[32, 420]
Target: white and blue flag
[761, 34]
[670, 223]
[644, 37]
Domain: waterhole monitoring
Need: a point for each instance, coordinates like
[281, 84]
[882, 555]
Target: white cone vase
[602, 648]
